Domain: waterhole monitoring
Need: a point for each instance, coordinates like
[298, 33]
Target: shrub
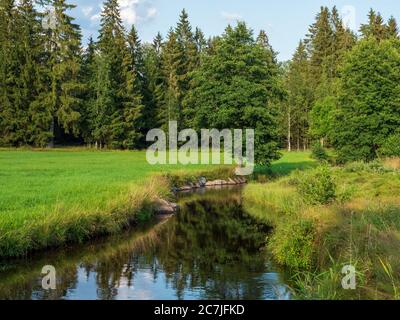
[317, 186]
[345, 193]
[319, 153]
[391, 147]
[293, 244]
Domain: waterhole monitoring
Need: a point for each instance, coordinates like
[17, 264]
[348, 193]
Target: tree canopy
[339, 88]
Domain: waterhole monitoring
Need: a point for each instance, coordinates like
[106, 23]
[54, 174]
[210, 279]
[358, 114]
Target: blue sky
[286, 21]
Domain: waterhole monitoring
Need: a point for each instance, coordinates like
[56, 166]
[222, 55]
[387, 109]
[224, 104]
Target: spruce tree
[343, 41]
[30, 47]
[189, 60]
[367, 30]
[200, 41]
[155, 84]
[66, 68]
[375, 28]
[172, 62]
[8, 64]
[133, 101]
[88, 76]
[263, 40]
[328, 43]
[320, 41]
[120, 92]
[56, 110]
[101, 111]
[180, 57]
[392, 28]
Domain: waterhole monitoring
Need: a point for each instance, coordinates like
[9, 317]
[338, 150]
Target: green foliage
[360, 229]
[321, 117]
[311, 80]
[293, 243]
[317, 186]
[114, 92]
[180, 56]
[391, 147]
[19, 71]
[369, 100]
[300, 96]
[119, 95]
[154, 86]
[236, 87]
[377, 29]
[319, 153]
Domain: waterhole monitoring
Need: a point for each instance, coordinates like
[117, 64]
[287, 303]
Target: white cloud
[151, 12]
[87, 11]
[95, 17]
[231, 16]
[133, 11]
[129, 10]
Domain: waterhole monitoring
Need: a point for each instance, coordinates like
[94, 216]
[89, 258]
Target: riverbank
[211, 249]
[327, 218]
[52, 198]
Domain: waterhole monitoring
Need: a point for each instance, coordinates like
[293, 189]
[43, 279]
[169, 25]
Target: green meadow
[49, 198]
[328, 217]
[323, 217]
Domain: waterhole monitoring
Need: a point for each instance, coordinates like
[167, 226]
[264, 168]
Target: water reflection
[209, 250]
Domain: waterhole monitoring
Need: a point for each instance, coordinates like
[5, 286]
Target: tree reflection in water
[209, 250]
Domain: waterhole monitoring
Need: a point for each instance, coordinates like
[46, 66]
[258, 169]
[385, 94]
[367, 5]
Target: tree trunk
[298, 142]
[289, 138]
[52, 128]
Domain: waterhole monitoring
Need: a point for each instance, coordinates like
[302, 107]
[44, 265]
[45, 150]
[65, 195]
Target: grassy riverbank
[327, 218]
[48, 198]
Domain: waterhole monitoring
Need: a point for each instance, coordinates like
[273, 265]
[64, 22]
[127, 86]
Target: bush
[317, 186]
[319, 153]
[391, 147]
[293, 244]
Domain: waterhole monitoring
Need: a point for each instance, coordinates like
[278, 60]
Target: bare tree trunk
[298, 142]
[52, 128]
[322, 141]
[289, 132]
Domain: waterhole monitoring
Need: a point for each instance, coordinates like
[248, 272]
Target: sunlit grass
[362, 229]
[51, 197]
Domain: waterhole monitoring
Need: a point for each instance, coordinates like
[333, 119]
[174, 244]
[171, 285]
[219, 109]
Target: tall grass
[75, 225]
[49, 198]
[361, 227]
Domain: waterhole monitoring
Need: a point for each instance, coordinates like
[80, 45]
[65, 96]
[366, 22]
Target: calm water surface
[210, 250]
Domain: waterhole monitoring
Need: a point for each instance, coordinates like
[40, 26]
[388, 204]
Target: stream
[211, 249]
